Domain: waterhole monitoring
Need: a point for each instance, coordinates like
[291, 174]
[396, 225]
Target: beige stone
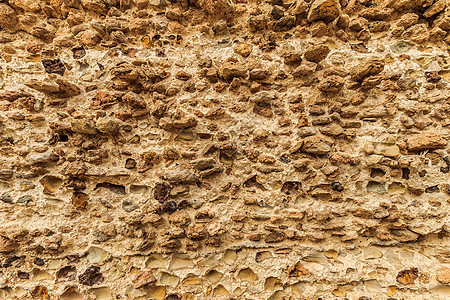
[326, 10]
[243, 49]
[426, 141]
[443, 275]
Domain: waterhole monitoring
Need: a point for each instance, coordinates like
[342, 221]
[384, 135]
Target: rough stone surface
[224, 149]
[426, 141]
[326, 10]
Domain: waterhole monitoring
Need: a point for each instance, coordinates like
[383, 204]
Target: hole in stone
[138, 189]
[405, 173]
[373, 286]
[396, 188]
[247, 275]
[156, 260]
[185, 136]
[238, 291]
[291, 187]
[278, 295]
[205, 136]
[220, 291]
[377, 172]
[118, 189]
[51, 183]
[252, 182]
[173, 297]
[432, 189]
[210, 261]
[102, 293]
[71, 293]
[40, 292]
[155, 292]
[297, 270]
[272, 284]
[96, 255]
[39, 275]
[229, 256]
[376, 187]
[441, 290]
[192, 280]
[317, 257]
[213, 276]
[262, 255]
[180, 261]
[169, 279]
[68, 273]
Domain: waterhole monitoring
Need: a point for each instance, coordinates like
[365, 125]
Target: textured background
[219, 149]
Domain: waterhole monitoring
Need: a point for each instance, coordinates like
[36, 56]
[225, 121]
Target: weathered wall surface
[220, 149]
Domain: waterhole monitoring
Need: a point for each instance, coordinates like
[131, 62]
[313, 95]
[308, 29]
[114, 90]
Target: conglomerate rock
[224, 149]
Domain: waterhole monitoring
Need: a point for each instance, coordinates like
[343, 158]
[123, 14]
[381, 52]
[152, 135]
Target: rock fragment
[84, 126]
[231, 69]
[316, 53]
[179, 177]
[218, 8]
[8, 17]
[407, 276]
[443, 275]
[315, 145]
[243, 49]
[325, 10]
[332, 84]
[385, 145]
[143, 279]
[107, 125]
[372, 66]
[54, 66]
[426, 141]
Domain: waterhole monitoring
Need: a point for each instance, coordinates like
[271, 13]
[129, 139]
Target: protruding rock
[6, 174]
[325, 10]
[43, 86]
[231, 69]
[331, 84]
[179, 177]
[371, 67]
[315, 145]
[107, 125]
[426, 141]
[306, 68]
[243, 49]
[143, 279]
[158, 3]
[218, 8]
[437, 7]
[8, 17]
[128, 205]
[384, 145]
[26, 5]
[98, 6]
[443, 275]
[316, 53]
[263, 97]
[84, 126]
[54, 66]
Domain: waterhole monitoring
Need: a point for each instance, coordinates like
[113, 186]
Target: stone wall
[224, 149]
